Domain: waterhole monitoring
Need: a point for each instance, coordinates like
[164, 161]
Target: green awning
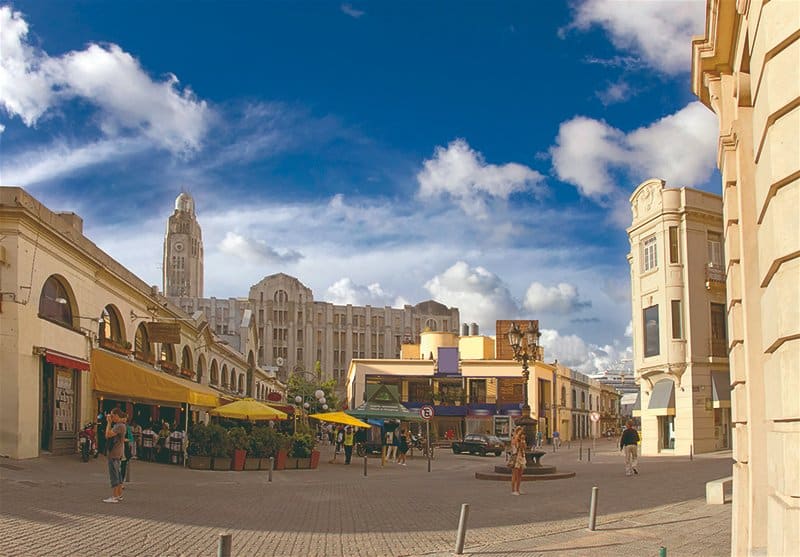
[384, 411]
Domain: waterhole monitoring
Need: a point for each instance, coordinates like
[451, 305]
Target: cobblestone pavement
[52, 506]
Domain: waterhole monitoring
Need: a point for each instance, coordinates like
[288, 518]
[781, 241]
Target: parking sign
[426, 412]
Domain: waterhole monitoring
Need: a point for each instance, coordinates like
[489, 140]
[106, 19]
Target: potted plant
[437, 398]
[259, 439]
[457, 396]
[302, 448]
[239, 441]
[199, 449]
[220, 445]
[282, 444]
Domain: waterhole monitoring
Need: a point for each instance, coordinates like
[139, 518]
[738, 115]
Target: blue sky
[478, 153]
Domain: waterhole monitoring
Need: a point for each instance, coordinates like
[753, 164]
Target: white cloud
[351, 11]
[572, 351]
[106, 77]
[460, 172]
[562, 298]
[60, 159]
[660, 31]
[679, 148]
[256, 251]
[344, 291]
[480, 295]
[615, 92]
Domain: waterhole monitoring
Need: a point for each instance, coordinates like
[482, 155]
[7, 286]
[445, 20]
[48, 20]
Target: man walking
[628, 445]
[115, 441]
[348, 444]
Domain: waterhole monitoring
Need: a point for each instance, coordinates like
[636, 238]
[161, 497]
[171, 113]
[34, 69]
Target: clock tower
[183, 252]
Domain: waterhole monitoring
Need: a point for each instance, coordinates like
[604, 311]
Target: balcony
[718, 348]
[715, 277]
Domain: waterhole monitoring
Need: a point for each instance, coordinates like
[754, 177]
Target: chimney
[464, 330]
[473, 329]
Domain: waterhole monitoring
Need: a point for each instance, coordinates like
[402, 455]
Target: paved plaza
[52, 506]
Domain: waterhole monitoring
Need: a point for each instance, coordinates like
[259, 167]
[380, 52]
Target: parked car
[480, 444]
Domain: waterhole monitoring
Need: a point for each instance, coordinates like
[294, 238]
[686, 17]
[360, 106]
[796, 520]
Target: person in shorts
[115, 442]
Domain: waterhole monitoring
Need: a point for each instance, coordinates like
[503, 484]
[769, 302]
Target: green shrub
[218, 441]
[238, 438]
[302, 445]
[199, 440]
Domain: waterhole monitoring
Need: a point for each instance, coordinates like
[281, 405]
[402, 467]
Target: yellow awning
[340, 418]
[115, 375]
[248, 409]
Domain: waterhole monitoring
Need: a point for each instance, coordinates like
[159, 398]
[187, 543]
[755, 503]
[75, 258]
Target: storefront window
[65, 401]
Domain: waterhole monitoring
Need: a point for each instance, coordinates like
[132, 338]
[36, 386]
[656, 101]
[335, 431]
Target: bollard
[224, 545]
[462, 529]
[593, 509]
[662, 551]
[580, 453]
[691, 452]
[589, 454]
[271, 468]
[365, 466]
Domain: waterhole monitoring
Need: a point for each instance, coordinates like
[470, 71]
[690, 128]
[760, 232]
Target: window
[650, 319]
[649, 254]
[143, 350]
[110, 328]
[719, 331]
[715, 253]
[563, 396]
[677, 319]
[673, 244]
[54, 302]
[430, 325]
[281, 297]
[214, 373]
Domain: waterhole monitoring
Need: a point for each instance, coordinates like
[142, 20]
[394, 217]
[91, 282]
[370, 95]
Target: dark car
[480, 444]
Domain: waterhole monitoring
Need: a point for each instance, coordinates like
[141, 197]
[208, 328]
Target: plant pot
[252, 463]
[280, 460]
[303, 463]
[314, 459]
[239, 456]
[221, 463]
[200, 462]
[291, 463]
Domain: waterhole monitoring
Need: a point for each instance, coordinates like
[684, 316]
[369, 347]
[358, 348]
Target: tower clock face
[178, 246]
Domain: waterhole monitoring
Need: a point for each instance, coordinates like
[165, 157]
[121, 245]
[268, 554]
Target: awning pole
[186, 437]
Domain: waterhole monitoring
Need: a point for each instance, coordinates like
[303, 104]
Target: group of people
[397, 445]
[628, 445]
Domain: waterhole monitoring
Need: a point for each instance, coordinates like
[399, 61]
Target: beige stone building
[746, 68]
[474, 392]
[679, 332]
[77, 336]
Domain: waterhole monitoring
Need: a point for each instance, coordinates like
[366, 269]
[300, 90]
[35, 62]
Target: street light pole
[524, 355]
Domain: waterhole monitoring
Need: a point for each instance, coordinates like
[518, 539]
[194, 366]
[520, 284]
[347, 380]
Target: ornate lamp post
[525, 353]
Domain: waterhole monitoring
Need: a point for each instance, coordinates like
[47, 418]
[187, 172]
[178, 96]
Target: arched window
[224, 375]
[143, 349]
[281, 297]
[241, 383]
[55, 302]
[111, 325]
[168, 358]
[214, 373]
[430, 325]
[186, 359]
[201, 367]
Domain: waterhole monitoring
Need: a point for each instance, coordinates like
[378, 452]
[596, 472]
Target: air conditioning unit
[279, 361]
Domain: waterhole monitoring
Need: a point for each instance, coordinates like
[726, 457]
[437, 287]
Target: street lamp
[525, 353]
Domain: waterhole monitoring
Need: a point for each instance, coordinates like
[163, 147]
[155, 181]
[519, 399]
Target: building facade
[679, 329]
[183, 251]
[746, 69]
[79, 334]
[295, 331]
[474, 392]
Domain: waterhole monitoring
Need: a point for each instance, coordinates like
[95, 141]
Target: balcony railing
[715, 276]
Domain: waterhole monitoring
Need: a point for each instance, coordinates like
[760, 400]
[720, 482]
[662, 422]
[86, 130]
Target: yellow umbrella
[248, 409]
[339, 418]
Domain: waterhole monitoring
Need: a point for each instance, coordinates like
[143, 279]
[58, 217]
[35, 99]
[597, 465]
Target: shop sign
[165, 333]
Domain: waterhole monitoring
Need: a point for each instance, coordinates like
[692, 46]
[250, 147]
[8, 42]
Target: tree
[305, 384]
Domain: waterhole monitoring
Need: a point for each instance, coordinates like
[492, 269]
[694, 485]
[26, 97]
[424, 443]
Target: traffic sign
[594, 416]
[426, 412]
